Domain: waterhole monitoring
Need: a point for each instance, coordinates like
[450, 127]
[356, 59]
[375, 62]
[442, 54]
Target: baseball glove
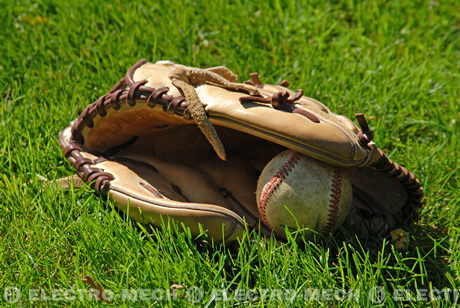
[188, 144]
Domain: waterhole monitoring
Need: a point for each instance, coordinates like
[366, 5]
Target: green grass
[395, 61]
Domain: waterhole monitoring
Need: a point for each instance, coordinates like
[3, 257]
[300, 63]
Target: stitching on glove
[278, 99]
[365, 136]
[282, 101]
[407, 179]
[255, 80]
[99, 179]
[385, 165]
[130, 73]
[114, 99]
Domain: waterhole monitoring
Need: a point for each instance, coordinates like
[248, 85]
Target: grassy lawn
[397, 62]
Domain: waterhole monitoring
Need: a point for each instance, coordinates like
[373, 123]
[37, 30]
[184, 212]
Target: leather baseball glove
[188, 144]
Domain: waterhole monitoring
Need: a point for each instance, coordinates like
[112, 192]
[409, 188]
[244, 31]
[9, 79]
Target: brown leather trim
[151, 190]
[279, 100]
[129, 96]
[284, 83]
[256, 80]
[118, 95]
[130, 73]
[365, 136]
[306, 114]
[410, 182]
[119, 85]
[99, 179]
[282, 101]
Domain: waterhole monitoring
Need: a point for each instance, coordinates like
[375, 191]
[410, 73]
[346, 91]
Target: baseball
[299, 192]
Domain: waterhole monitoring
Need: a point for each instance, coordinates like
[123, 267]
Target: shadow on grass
[423, 265]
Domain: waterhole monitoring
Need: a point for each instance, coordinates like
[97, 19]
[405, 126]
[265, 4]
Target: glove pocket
[146, 196]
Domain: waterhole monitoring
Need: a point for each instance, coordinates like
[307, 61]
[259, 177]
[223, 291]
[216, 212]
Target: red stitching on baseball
[274, 183]
[334, 204]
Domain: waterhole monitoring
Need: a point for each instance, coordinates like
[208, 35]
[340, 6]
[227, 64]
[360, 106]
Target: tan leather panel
[129, 190]
[332, 140]
[119, 126]
[218, 226]
[238, 177]
[325, 141]
[203, 182]
[157, 76]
